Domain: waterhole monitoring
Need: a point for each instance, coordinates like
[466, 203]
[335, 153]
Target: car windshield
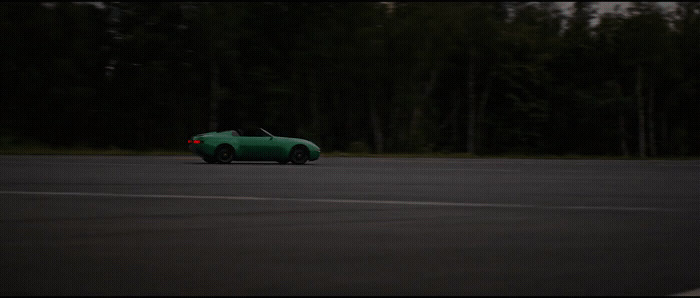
[266, 133]
[254, 132]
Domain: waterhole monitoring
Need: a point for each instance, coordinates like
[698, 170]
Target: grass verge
[43, 150]
[32, 150]
[503, 156]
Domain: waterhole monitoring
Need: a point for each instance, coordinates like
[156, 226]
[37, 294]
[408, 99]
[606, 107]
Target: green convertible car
[252, 145]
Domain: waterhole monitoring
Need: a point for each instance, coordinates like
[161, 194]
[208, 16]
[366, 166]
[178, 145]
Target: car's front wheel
[299, 155]
[224, 154]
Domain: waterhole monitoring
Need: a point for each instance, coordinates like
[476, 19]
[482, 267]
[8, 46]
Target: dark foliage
[485, 78]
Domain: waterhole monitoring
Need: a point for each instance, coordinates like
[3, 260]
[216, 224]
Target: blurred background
[380, 77]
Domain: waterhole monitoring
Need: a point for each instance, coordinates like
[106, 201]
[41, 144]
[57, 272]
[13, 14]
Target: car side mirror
[271, 138]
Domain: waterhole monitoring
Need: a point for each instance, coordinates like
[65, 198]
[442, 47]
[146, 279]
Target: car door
[258, 145]
[269, 148]
[254, 148]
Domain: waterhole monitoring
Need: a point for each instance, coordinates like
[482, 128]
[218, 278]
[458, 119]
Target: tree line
[484, 78]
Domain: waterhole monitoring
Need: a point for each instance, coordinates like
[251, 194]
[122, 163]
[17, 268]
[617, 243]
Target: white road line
[79, 163]
[422, 169]
[345, 201]
[695, 292]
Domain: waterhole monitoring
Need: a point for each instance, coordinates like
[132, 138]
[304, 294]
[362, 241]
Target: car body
[252, 145]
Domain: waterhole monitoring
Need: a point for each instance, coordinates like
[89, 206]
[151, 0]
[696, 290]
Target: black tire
[224, 154]
[209, 159]
[299, 155]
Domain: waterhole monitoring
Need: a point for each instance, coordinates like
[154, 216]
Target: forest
[378, 77]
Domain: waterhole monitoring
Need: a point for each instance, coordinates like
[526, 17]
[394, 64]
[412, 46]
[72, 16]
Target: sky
[607, 7]
[604, 7]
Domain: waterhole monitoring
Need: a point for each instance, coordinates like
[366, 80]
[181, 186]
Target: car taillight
[189, 141]
[196, 141]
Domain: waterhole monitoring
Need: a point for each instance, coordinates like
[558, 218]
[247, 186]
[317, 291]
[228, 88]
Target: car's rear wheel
[224, 154]
[299, 155]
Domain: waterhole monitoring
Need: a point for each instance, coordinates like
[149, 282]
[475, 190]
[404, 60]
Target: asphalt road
[106, 225]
